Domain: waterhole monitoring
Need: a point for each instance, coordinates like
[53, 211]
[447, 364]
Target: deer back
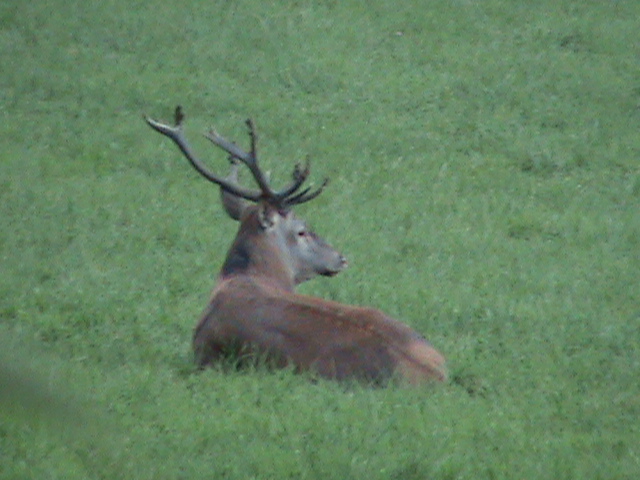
[247, 314]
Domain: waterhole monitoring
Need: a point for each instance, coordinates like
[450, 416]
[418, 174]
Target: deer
[254, 308]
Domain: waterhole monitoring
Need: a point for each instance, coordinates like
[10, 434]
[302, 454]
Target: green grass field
[485, 166]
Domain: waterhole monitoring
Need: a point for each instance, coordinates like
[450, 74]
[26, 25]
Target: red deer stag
[253, 307]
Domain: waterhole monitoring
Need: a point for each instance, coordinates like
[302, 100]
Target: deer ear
[266, 216]
[233, 205]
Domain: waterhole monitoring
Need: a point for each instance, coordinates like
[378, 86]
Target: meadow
[485, 186]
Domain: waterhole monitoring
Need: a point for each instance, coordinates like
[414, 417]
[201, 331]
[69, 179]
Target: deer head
[272, 243]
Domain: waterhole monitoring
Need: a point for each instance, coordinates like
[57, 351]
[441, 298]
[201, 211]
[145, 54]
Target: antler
[177, 135]
[283, 198]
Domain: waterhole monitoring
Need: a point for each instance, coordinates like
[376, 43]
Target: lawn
[485, 186]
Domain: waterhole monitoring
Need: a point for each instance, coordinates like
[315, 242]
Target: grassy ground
[486, 189]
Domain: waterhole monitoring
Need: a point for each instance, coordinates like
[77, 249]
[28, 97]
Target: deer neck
[254, 252]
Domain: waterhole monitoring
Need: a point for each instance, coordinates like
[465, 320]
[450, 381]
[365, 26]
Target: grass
[485, 188]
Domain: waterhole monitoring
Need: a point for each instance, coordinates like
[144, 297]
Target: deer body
[333, 340]
[254, 308]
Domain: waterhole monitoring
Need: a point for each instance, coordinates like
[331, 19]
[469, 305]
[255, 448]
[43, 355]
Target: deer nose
[343, 262]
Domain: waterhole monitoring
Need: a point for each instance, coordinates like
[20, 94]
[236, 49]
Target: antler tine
[249, 159]
[254, 138]
[304, 196]
[299, 176]
[176, 134]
